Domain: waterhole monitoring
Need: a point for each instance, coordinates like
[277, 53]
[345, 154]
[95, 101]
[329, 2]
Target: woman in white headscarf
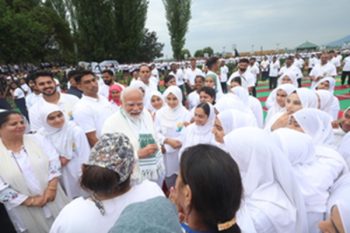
[231, 101]
[283, 79]
[199, 132]
[271, 197]
[328, 103]
[279, 99]
[315, 176]
[338, 209]
[327, 83]
[299, 99]
[70, 143]
[253, 103]
[170, 123]
[342, 127]
[156, 102]
[229, 120]
[315, 123]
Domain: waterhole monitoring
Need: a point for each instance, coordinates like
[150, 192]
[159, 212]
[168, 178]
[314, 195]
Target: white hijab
[231, 101]
[158, 94]
[331, 82]
[233, 119]
[340, 197]
[274, 106]
[317, 124]
[328, 103]
[299, 149]
[267, 178]
[170, 116]
[292, 77]
[308, 97]
[59, 137]
[241, 93]
[196, 134]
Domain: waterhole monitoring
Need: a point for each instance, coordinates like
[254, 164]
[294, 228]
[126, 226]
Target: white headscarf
[158, 94]
[307, 169]
[331, 82]
[242, 94]
[344, 148]
[267, 177]
[292, 77]
[317, 124]
[58, 136]
[233, 119]
[308, 98]
[231, 101]
[328, 103]
[274, 106]
[340, 197]
[170, 116]
[196, 134]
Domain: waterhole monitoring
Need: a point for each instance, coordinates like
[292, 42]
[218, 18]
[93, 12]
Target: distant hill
[340, 42]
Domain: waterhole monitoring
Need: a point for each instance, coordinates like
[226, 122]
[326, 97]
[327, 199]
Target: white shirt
[346, 66]
[336, 61]
[299, 63]
[313, 61]
[274, 68]
[327, 70]
[193, 99]
[190, 75]
[247, 78]
[179, 77]
[82, 215]
[18, 93]
[66, 102]
[91, 113]
[291, 70]
[26, 88]
[155, 74]
[254, 69]
[264, 65]
[223, 73]
[31, 99]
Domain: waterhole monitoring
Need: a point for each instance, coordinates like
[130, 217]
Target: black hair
[199, 76]
[41, 73]
[101, 180]
[209, 91]
[216, 200]
[81, 74]
[237, 80]
[168, 78]
[108, 71]
[205, 107]
[243, 60]
[4, 116]
[211, 61]
[72, 74]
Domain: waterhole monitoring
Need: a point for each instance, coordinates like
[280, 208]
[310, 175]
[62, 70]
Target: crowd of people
[191, 152]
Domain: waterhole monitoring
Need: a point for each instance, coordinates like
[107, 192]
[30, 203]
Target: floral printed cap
[114, 152]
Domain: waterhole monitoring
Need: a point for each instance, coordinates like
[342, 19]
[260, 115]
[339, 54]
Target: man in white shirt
[273, 72]
[324, 69]
[346, 70]
[298, 61]
[291, 69]
[223, 75]
[154, 73]
[46, 84]
[247, 77]
[108, 81]
[312, 62]
[335, 59]
[92, 109]
[192, 72]
[264, 66]
[254, 69]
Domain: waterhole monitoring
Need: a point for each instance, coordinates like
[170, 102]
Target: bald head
[132, 101]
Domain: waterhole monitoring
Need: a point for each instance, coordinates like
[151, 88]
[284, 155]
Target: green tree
[178, 14]
[150, 47]
[30, 31]
[129, 20]
[199, 53]
[209, 51]
[184, 52]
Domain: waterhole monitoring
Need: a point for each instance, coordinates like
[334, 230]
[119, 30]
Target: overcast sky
[255, 23]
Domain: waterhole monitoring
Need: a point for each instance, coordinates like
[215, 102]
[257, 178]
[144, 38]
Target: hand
[64, 161]
[148, 150]
[50, 194]
[39, 201]
[176, 144]
[336, 124]
[186, 123]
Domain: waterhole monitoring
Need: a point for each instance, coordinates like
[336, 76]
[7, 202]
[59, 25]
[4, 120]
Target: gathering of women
[184, 153]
